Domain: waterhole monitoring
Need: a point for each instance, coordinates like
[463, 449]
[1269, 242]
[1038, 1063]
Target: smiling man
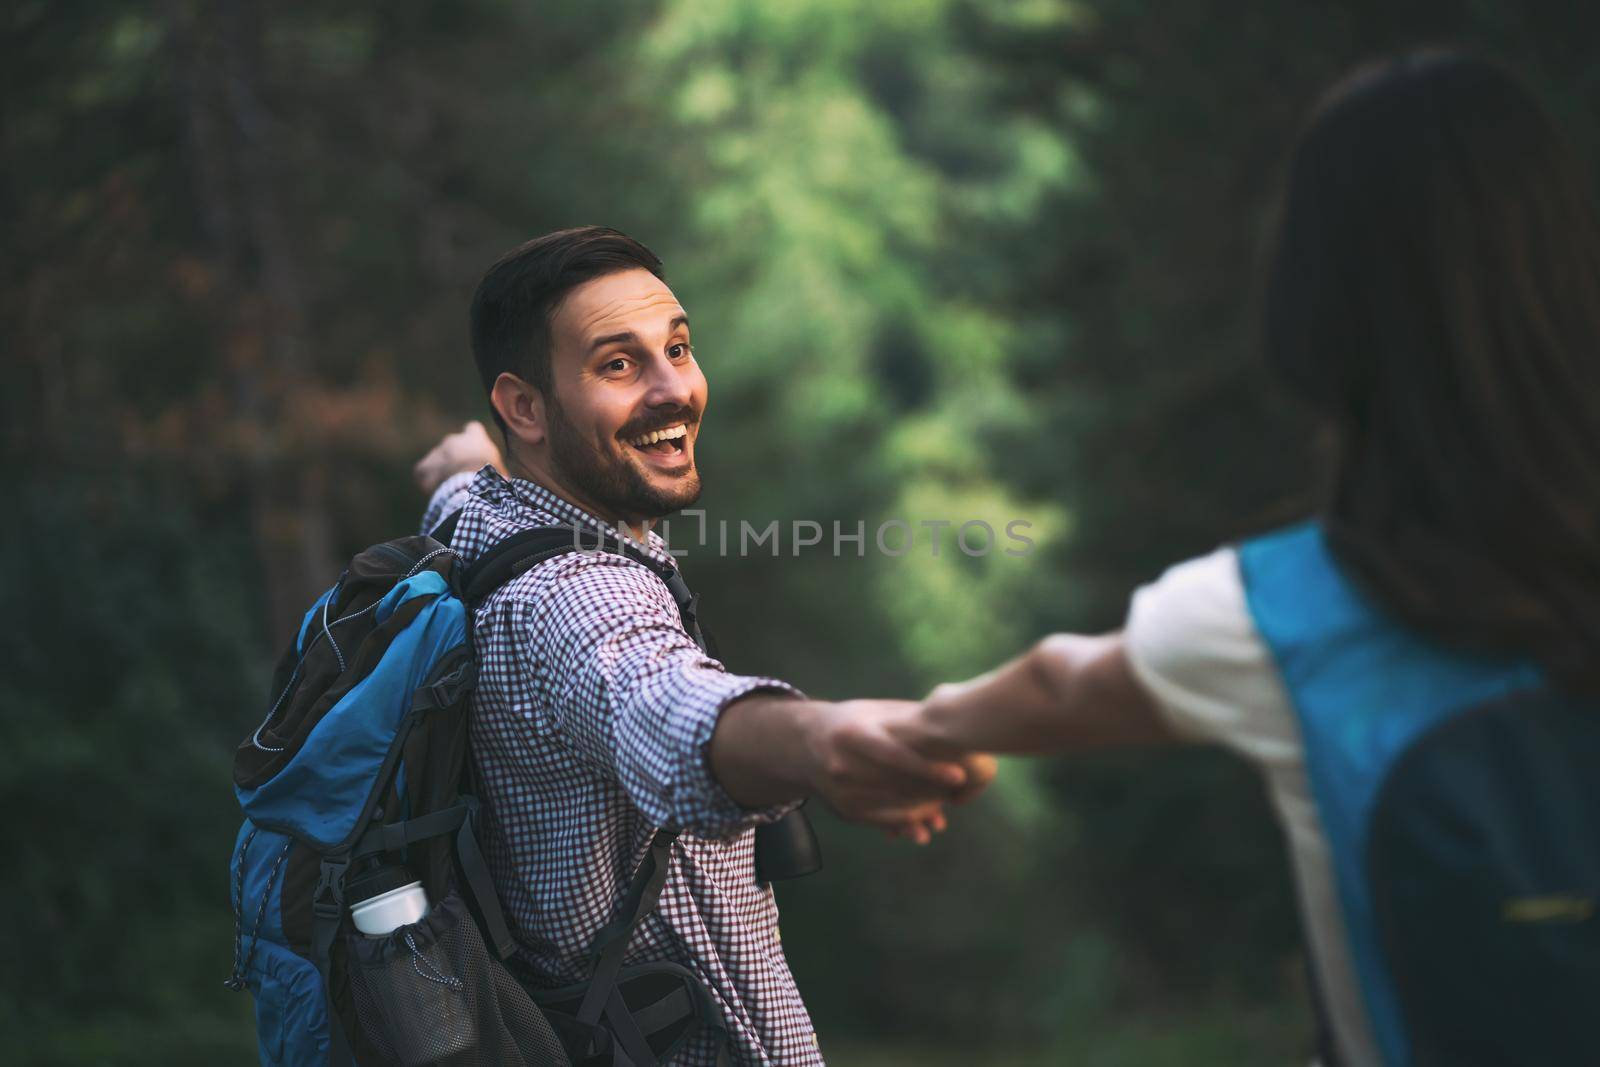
[597, 718]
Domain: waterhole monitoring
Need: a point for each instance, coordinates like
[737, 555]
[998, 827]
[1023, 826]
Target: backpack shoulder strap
[526, 548]
[446, 528]
[515, 555]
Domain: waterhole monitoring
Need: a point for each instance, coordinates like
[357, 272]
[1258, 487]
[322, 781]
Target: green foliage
[133, 667]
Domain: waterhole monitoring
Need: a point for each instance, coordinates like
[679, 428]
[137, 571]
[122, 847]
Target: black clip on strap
[445, 691]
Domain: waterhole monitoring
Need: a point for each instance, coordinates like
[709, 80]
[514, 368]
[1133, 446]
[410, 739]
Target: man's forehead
[634, 299]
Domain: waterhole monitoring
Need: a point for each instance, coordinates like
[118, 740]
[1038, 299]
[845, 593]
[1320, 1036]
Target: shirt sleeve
[618, 679]
[451, 494]
[1193, 646]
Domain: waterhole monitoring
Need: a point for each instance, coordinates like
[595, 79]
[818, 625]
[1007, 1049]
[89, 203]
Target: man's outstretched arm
[444, 473]
[619, 682]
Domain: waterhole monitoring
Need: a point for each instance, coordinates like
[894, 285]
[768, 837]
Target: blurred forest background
[946, 258]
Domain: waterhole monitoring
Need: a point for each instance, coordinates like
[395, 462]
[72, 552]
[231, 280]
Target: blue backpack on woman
[1460, 795]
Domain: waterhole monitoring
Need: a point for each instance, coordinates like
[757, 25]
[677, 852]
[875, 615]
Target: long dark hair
[1435, 293]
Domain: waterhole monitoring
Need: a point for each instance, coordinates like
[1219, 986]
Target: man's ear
[522, 407]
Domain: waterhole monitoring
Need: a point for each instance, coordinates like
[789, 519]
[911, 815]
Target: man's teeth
[669, 434]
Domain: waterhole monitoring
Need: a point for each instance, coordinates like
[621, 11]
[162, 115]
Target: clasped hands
[877, 762]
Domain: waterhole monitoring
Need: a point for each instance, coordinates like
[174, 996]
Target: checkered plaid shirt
[589, 730]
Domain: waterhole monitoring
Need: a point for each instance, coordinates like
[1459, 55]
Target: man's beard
[610, 482]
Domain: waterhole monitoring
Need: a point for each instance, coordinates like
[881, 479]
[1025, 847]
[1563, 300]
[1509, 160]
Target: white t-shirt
[1192, 644]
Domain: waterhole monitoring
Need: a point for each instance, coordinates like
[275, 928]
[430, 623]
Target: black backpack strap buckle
[446, 690]
[327, 900]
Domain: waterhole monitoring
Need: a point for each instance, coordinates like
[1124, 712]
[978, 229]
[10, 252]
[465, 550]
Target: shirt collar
[520, 494]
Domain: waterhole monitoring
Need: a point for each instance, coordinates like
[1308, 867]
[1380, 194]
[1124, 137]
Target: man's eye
[617, 365]
[679, 351]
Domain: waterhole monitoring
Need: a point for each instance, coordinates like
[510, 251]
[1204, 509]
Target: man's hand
[466, 450]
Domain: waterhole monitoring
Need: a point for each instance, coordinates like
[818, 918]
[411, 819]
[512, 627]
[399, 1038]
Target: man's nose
[668, 385]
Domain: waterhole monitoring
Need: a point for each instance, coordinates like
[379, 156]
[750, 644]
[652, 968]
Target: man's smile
[666, 448]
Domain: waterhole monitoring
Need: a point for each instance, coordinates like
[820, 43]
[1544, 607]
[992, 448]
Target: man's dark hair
[512, 308]
[1435, 294]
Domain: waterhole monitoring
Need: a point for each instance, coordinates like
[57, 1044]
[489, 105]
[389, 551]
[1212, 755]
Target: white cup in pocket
[380, 915]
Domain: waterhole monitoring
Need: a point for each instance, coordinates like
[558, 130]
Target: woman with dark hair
[1416, 669]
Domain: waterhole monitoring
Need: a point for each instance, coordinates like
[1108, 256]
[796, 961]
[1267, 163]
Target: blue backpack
[1460, 795]
[357, 782]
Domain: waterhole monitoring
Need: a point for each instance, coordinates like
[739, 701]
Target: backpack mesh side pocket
[430, 993]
